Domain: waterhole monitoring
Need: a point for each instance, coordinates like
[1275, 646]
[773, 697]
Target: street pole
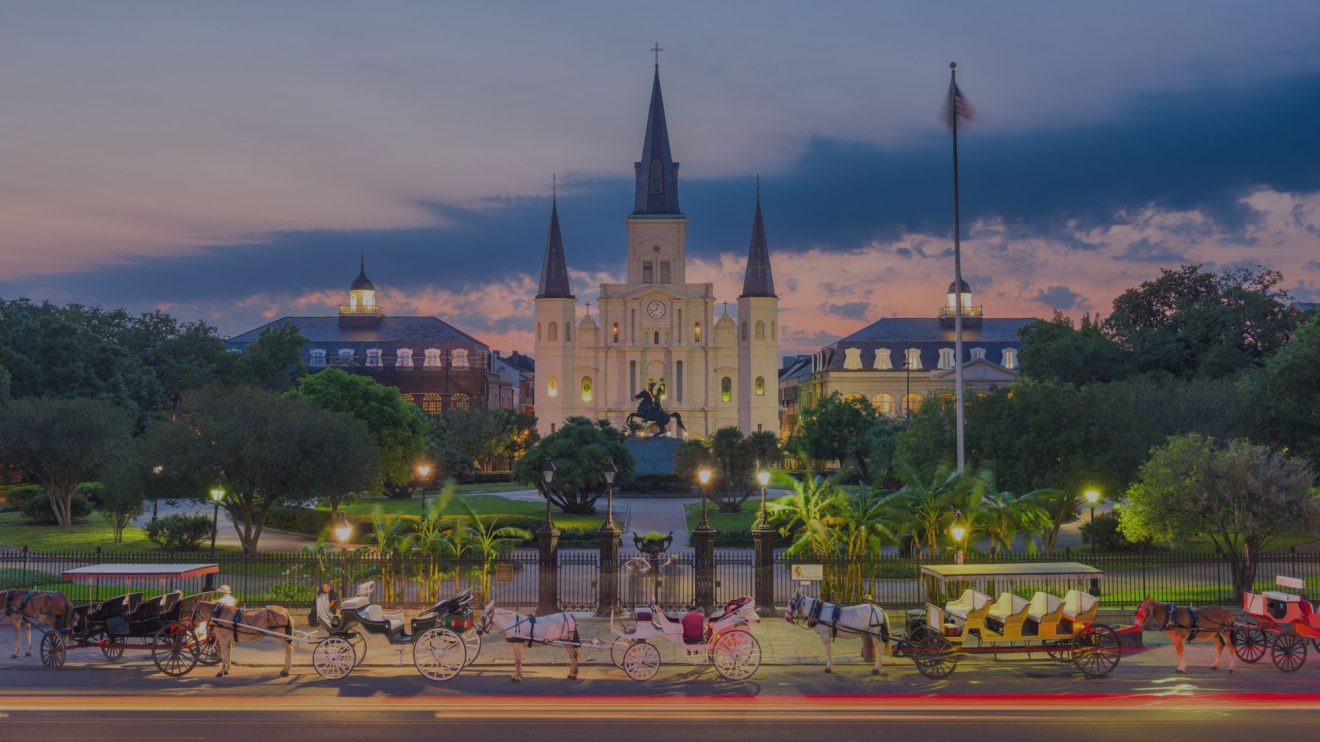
[215, 525]
[957, 266]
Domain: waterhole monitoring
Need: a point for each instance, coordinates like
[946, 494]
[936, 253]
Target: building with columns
[659, 328]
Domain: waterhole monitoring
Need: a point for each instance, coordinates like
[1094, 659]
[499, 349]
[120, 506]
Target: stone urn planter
[653, 544]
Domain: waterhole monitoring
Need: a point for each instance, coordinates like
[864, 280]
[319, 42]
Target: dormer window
[403, 358]
[1010, 359]
[459, 358]
[374, 358]
[912, 359]
[346, 355]
[946, 357]
[433, 358]
[852, 359]
[883, 359]
[318, 359]
[978, 354]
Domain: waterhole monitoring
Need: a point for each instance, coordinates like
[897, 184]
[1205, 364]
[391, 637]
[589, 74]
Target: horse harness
[813, 617]
[1193, 616]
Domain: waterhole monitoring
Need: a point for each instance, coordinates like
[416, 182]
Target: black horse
[649, 409]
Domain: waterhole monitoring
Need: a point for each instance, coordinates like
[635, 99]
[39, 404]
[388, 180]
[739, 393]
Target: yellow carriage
[1063, 628]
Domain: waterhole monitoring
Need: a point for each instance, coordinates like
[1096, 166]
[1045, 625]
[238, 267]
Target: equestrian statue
[649, 410]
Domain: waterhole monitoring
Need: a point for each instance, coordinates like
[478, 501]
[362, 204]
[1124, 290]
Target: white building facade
[658, 329]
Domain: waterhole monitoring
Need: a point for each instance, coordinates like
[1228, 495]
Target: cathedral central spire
[657, 173]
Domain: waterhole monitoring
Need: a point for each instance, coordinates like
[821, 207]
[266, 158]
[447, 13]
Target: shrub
[1107, 537]
[179, 532]
[658, 484]
[307, 521]
[36, 506]
[289, 592]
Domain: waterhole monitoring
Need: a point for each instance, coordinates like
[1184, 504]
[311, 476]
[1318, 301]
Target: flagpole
[957, 270]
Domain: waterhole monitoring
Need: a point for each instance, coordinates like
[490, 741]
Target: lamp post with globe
[217, 494]
[1092, 496]
[343, 530]
[547, 541]
[703, 542]
[763, 551]
[608, 584]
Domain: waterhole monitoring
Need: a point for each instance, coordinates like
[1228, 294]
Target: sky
[231, 161]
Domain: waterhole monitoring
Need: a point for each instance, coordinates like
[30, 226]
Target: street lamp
[958, 531]
[343, 530]
[423, 475]
[217, 494]
[1092, 496]
[763, 477]
[548, 470]
[155, 491]
[609, 471]
[704, 476]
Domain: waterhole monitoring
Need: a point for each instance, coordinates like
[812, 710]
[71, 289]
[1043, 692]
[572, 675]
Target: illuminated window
[648, 271]
[403, 358]
[614, 331]
[553, 332]
[407, 397]
[946, 358]
[552, 387]
[760, 330]
[912, 403]
[884, 403]
[459, 358]
[726, 389]
[432, 404]
[913, 359]
[696, 332]
[432, 359]
[852, 359]
[760, 386]
[662, 389]
[318, 358]
[586, 388]
[373, 358]
[1010, 358]
[884, 361]
[459, 401]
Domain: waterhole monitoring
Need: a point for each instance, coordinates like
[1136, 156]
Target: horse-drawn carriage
[721, 639]
[442, 638]
[159, 624]
[1278, 622]
[1064, 629]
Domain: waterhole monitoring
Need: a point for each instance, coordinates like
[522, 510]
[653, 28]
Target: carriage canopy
[1023, 570]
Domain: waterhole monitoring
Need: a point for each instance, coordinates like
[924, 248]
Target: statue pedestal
[653, 455]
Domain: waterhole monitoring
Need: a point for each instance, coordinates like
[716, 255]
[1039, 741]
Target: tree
[808, 516]
[398, 428]
[193, 356]
[1240, 499]
[273, 361]
[61, 442]
[1286, 387]
[126, 482]
[5, 381]
[265, 449]
[579, 450]
[1058, 351]
[462, 439]
[1190, 322]
[838, 429]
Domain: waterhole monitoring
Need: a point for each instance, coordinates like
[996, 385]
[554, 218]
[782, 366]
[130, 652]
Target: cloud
[850, 310]
[1061, 298]
[1153, 252]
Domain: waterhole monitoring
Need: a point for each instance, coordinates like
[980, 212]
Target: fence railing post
[703, 543]
[607, 570]
[763, 561]
[547, 568]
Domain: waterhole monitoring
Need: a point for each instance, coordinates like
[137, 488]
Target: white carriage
[722, 639]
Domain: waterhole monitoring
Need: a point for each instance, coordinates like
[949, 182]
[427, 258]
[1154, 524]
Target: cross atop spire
[657, 51]
[758, 280]
[554, 269]
[657, 173]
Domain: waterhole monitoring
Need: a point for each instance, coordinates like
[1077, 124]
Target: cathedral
[658, 330]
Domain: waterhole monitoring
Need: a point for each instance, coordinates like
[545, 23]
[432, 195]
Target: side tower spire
[657, 173]
[758, 280]
[554, 269]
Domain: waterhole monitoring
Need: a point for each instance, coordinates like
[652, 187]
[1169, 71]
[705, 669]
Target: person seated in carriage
[225, 596]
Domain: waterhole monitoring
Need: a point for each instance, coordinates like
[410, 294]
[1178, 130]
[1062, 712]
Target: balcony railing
[948, 312]
[361, 311]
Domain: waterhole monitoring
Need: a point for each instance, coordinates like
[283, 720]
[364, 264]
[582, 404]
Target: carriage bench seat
[971, 601]
[1008, 606]
[378, 615]
[1281, 597]
[1077, 603]
[1043, 605]
[694, 627]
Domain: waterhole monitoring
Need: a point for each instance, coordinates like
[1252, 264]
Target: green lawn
[487, 487]
[725, 521]
[86, 535]
[482, 504]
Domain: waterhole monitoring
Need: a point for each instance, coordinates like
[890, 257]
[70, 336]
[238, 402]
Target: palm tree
[1060, 507]
[932, 507]
[1008, 515]
[391, 538]
[866, 520]
[490, 542]
[808, 516]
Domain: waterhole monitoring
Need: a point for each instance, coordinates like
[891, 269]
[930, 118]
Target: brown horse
[27, 608]
[231, 624]
[1183, 624]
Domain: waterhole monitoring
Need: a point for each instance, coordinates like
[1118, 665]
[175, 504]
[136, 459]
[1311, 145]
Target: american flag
[960, 106]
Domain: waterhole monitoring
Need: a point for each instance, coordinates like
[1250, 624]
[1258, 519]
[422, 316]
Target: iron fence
[292, 578]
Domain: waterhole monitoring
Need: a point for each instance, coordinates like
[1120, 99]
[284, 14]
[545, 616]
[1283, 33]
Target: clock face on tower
[656, 309]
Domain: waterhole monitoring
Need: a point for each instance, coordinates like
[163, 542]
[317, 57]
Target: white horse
[524, 631]
[830, 620]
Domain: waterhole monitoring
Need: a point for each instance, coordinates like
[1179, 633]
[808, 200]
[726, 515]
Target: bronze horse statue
[649, 409]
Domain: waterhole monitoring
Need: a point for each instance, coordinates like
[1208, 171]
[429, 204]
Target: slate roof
[390, 332]
[927, 335]
[655, 147]
[758, 280]
[554, 268]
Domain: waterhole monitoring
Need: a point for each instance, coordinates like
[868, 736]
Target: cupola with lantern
[361, 309]
[971, 314]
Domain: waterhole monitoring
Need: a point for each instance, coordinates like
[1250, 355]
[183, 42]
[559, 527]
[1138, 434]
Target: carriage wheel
[472, 643]
[1061, 651]
[333, 657]
[175, 649]
[359, 643]
[618, 648]
[439, 654]
[208, 651]
[736, 655]
[1250, 644]
[113, 646]
[1288, 652]
[1096, 651]
[934, 656]
[52, 650]
[641, 661]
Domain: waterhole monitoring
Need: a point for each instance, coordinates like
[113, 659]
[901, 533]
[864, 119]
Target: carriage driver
[226, 597]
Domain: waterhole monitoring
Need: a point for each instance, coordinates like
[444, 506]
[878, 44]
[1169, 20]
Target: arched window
[760, 386]
[774, 330]
[432, 358]
[662, 389]
[912, 403]
[568, 331]
[459, 401]
[726, 389]
[552, 387]
[614, 331]
[656, 338]
[553, 334]
[742, 330]
[586, 388]
[760, 330]
[696, 332]
[883, 403]
[318, 358]
[538, 332]
[432, 404]
[459, 358]
[403, 358]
